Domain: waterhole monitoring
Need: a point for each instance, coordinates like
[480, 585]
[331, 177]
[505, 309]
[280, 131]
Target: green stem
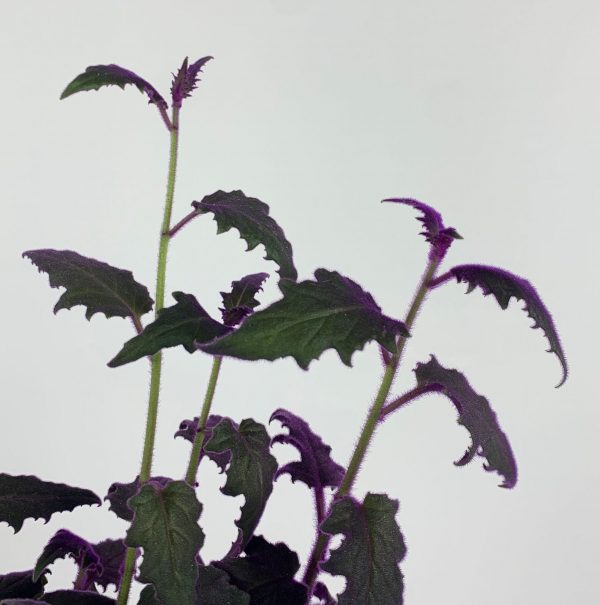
[371, 422]
[192, 469]
[156, 367]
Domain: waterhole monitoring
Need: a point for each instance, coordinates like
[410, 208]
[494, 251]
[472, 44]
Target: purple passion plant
[161, 549]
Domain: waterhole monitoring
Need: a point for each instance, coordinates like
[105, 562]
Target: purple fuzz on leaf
[434, 231]
[119, 494]
[504, 285]
[186, 80]
[188, 430]
[241, 301]
[20, 585]
[112, 562]
[476, 415]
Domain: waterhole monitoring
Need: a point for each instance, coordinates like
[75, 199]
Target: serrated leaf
[76, 597]
[119, 494]
[27, 497]
[251, 469]
[332, 312]
[266, 573]
[435, 232]
[97, 76]
[214, 588]
[234, 210]
[371, 551]
[91, 283]
[241, 301]
[166, 526]
[188, 430]
[112, 560]
[315, 468]
[476, 415]
[185, 323]
[505, 285]
[20, 585]
[66, 544]
[186, 80]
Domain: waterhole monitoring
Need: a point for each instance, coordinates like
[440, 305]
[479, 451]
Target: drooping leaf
[332, 312]
[112, 561]
[97, 76]
[504, 285]
[214, 588]
[251, 469]
[240, 302]
[76, 597]
[27, 497]
[251, 218]
[186, 80]
[315, 467]
[95, 285]
[182, 324]
[20, 585]
[66, 544]
[166, 526]
[119, 494]
[439, 236]
[188, 430]
[476, 415]
[266, 573]
[371, 551]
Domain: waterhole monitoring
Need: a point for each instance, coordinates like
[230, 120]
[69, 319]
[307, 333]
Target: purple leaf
[240, 302]
[27, 497]
[188, 430]
[504, 285]
[66, 544]
[476, 415]
[19, 584]
[112, 560]
[76, 597]
[119, 493]
[439, 236]
[23, 602]
[97, 76]
[315, 468]
[322, 593]
[186, 80]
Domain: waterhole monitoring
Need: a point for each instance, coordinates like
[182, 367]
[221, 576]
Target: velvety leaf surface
[119, 493]
[97, 76]
[315, 467]
[27, 497]
[112, 560]
[332, 312]
[148, 596]
[166, 526]
[266, 573]
[476, 415]
[76, 597]
[214, 589]
[95, 285]
[188, 430]
[186, 80]
[439, 236]
[251, 218]
[369, 555]
[251, 468]
[20, 585]
[504, 285]
[240, 302]
[182, 324]
[66, 544]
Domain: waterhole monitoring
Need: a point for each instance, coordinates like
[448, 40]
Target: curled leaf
[188, 430]
[241, 301]
[186, 80]
[476, 415]
[504, 285]
[119, 494]
[112, 561]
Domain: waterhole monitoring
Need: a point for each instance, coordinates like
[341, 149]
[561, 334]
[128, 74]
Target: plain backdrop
[487, 110]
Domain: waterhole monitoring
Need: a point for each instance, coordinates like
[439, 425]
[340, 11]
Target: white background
[487, 110]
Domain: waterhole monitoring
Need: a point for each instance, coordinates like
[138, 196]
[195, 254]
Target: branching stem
[408, 397]
[183, 222]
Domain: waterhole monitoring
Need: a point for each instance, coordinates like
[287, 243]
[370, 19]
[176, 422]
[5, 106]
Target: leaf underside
[27, 497]
[186, 80]
[185, 324]
[371, 551]
[241, 301]
[332, 312]
[250, 472]
[250, 216]
[505, 285]
[166, 526]
[476, 415]
[119, 494]
[20, 585]
[188, 429]
[91, 283]
[112, 559]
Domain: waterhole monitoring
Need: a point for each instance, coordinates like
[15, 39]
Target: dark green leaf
[250, 471]
[370, 553]
[251, 218]
[214, 589]
[332, 312]
[166, 527]
[476, 415]
[95, 285]
[240, 302]
[76, 597]
[20, 585]
[148, 596]
[27, 497]
[182, 324]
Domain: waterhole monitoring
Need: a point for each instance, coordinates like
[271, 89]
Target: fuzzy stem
[312, 569]
[192, 469]
[408, 397]
[156, 363]
[183, 222]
